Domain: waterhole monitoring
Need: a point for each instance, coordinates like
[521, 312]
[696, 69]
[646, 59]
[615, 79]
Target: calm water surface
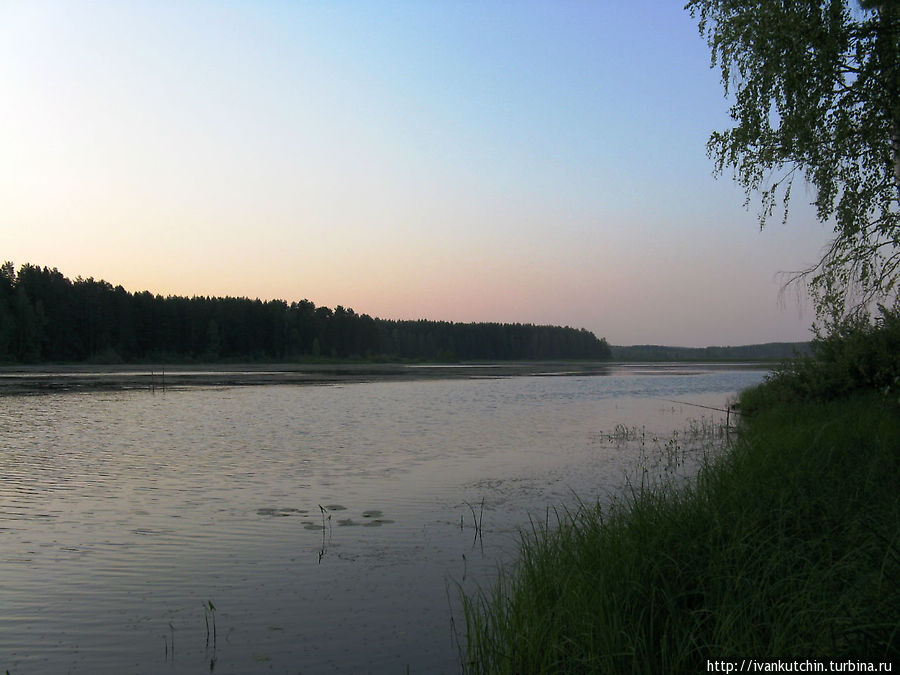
[330, 526]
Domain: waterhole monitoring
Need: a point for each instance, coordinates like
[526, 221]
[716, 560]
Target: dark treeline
[770, 351]
[44, 316]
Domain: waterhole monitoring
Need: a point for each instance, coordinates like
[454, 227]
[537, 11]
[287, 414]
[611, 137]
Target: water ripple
[304, 514]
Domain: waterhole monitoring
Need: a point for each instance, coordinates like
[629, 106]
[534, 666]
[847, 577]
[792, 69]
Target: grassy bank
[787, 546]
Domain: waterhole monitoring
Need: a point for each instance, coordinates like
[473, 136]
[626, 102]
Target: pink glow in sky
[535, 162]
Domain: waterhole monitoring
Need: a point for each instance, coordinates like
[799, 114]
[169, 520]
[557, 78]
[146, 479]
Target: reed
[785, 545]
[323, 549]
[476, 520]
[209, 610]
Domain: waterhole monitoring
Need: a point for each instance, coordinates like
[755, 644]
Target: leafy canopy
[816, 90]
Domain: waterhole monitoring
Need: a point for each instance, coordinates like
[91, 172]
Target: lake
[330, 525]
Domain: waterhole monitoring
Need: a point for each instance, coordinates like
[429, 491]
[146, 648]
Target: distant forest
[770, 351]
[45, 317]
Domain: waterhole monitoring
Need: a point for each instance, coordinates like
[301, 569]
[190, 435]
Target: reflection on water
[328, 526]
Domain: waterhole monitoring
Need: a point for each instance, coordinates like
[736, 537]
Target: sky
[533, 162]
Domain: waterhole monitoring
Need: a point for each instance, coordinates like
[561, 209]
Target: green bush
[858, 354]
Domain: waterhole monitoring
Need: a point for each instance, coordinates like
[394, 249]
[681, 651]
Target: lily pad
[289, 511]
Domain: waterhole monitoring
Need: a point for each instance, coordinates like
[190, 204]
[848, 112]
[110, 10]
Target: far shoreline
[45, 378]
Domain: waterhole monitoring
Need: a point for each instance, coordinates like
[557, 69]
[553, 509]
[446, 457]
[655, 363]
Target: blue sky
[538, 162]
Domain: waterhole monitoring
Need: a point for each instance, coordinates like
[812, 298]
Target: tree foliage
[816, 91]
[858, 355]
[46, 317]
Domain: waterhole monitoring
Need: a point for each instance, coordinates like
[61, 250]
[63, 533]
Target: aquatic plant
[623, 434]
[165, 643]
[209, 609]
[324, 548]
[476, 520]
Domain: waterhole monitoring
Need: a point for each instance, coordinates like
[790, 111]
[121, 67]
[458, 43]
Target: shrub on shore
[857, 354]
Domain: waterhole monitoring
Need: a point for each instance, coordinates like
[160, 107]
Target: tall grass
[785, 546]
